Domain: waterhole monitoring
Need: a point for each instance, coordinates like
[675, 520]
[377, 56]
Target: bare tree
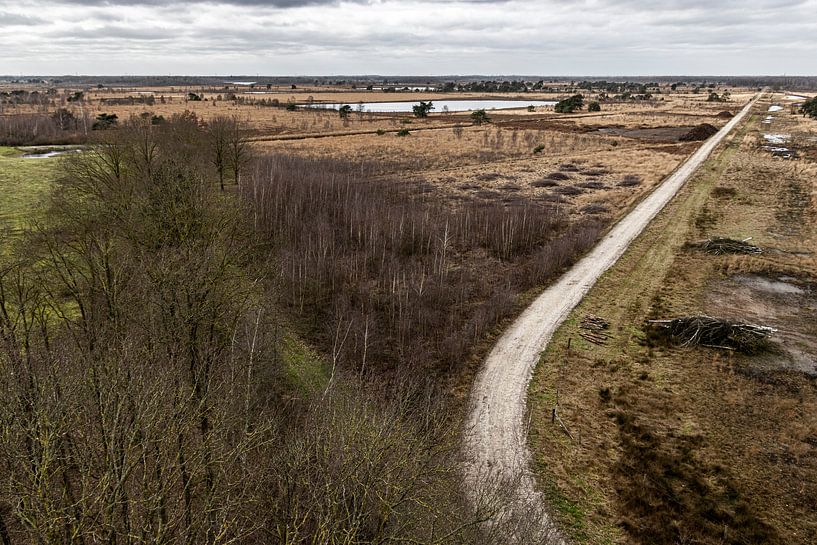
[229, 147]
[239, 150]
[218, 130]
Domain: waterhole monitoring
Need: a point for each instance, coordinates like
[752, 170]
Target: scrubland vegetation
[151, 395]
[232, 321]
[408, 283]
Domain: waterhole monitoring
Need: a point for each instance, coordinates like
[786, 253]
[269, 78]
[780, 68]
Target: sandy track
[495, 440]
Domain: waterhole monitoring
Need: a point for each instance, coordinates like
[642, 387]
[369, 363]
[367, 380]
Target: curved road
[495, 439]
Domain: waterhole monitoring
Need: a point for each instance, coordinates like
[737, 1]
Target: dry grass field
[587, 163]
[673, 444]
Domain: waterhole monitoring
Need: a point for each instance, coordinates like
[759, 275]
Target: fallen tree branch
[717, 333]
[722, 245]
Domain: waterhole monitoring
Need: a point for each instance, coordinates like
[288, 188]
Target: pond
[439, 105]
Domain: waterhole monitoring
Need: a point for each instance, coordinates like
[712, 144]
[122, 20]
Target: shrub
[714, 97]
[344, 111]
[594, 208]
[592, 184]
[487, 176]
[630, 181]
[594, 107]
[105, 121]
[569, 105]
[403, 132]
[557, 176]
[479, 117]
[193, 97]
[539, 149]
[291, 107]
[569, 190]
[380, 132]
[809, 108]
[422, 109]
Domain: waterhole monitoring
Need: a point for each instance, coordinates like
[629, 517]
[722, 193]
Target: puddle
[782, 285]
[783, 302]
[775, 145]
[796, 97]
[772, 138]
[775, 108]
[48, 154]
[783, 153]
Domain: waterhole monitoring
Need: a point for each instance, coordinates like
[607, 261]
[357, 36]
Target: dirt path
[495, 441]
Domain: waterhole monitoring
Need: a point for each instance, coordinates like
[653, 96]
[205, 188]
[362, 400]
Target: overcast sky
[435, 37]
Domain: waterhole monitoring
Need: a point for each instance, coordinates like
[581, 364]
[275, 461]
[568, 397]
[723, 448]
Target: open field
[23, 182]
[671, 444]
[582, 168]
[587, 163]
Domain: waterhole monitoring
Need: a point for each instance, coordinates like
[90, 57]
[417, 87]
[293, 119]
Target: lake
[439, 105]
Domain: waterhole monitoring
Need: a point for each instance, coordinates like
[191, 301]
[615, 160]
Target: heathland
[229, 281]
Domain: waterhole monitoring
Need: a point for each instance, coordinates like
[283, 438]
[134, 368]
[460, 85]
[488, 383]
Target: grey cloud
[15, 19]
[115, 32]
[252, 3]
[438, 36]
[282, 4]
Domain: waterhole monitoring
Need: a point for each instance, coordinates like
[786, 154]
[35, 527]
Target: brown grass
[690, 445]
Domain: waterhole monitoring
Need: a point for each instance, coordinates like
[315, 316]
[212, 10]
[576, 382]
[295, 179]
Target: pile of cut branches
[716, 333]
[594, 326]
[722, 245]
